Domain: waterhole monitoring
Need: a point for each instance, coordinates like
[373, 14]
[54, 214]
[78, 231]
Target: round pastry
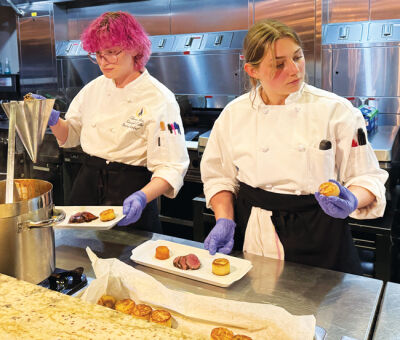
[107, 215]
[221, 333]
[162, 253]
[221, 267]
[107, 301]
[161, 317]
[329, 189]
[142, 312]
[241, 337]
[125, 306]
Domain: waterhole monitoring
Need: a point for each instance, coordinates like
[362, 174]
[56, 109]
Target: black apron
[308, 235]
[99, 183]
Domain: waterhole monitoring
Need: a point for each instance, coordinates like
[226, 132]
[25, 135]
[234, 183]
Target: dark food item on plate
[186, 262]
[82, 217]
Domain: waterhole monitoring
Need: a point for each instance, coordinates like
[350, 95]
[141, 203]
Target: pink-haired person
[121, 120]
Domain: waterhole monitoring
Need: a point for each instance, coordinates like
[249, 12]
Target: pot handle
[58, 216]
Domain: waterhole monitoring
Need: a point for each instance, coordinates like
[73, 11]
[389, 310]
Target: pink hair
[120, 29]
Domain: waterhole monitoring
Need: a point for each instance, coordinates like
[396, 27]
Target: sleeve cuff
[174, 178]
[214, 188]
[375, 209]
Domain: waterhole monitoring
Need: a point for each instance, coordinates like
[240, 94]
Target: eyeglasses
[109, 56]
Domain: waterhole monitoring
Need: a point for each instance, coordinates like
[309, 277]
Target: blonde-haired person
[269, 151]
[128, 125]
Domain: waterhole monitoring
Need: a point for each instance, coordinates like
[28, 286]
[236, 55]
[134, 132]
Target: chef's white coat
[125, 125]
[276, 148]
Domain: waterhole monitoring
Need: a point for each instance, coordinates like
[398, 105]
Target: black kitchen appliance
[65, 281]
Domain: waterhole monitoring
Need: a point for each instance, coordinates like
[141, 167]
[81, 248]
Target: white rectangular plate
[93, 225]
[145, 255]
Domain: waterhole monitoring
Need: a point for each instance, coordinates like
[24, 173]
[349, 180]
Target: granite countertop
[31, 312]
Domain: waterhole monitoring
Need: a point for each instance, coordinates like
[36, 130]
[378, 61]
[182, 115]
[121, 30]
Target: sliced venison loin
[186, 262]
[192, 261]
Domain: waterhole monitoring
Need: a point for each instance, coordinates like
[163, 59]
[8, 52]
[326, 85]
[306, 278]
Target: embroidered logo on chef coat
[141, 112]
[134, 123]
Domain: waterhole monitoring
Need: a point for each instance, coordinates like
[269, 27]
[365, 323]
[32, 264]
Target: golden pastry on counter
[142, 311]
[107, 215]
[107, 301]
[329, 189]
[221, 333]
[161, 317]
[241, 337]
[221, 267]
[125, 306]
[162, 253]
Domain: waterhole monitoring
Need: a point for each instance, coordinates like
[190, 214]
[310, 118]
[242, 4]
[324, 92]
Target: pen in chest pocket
[362, 140]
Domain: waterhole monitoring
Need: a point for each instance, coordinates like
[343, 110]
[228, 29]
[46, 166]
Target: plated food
[329, 189]
[82, 217]
[162, 253]
[107, 215]
[186, 262]
[221, 267]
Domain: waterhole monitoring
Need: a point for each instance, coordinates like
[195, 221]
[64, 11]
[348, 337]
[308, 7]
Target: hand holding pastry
[338, 206]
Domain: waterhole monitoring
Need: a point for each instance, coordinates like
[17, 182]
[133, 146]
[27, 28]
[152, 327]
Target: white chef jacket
[276, 148]
[131, 125]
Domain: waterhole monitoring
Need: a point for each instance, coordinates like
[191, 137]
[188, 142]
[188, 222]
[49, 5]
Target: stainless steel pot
[26, 230]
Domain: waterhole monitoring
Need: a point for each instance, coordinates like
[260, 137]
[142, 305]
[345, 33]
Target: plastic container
[7, 69]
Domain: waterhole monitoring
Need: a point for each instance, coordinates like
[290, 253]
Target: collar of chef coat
[134, 82]
[292, 98]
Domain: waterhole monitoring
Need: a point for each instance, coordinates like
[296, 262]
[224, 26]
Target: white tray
[145, 255]
[93, 225]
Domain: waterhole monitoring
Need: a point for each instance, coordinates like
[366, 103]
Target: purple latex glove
[338, 207]
[133, 207]
[54, 115]
[220, 237]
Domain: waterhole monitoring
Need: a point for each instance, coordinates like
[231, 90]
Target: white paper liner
[192, 313]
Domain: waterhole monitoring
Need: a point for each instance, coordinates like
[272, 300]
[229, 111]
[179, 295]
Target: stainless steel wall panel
[185, 74]
[301, 16]
[384, 9]
[208, 16]
[345, 11]
[153, 15]
[364, 72]
[37, 53]
[326, 79]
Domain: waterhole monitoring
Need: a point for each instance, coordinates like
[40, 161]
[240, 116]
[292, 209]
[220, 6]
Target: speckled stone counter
[388, 322]
[31, 312]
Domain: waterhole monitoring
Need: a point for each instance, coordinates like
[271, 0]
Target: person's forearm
[222, 205]
[156, 187]
[364, 196]
[60, 130]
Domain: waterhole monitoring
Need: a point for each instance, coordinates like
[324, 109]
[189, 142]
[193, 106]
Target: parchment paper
[192, 313]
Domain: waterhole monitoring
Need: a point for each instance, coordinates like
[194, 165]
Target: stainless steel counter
[344, 304]
[382, 142]
[388, 322]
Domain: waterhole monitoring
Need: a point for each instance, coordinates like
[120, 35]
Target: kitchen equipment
[11, 153]
[32, 117]
[26, 232]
